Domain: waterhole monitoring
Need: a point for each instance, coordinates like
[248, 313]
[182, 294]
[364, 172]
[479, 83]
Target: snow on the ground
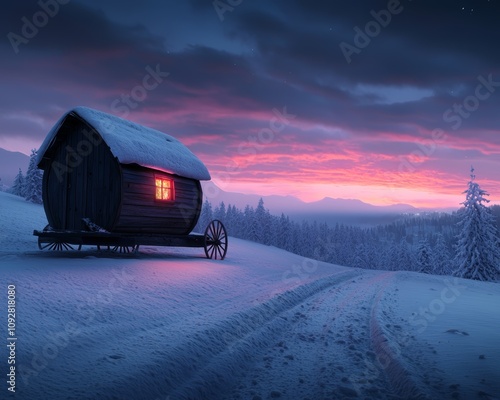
[169, 324]
[18, 219]
[457, 324]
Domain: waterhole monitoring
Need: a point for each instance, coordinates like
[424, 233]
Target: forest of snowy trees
[390, 247]
[29, 186]
[432, 243]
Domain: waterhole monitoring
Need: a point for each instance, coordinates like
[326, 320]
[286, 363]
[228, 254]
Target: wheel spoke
[217, 229]
[219, 249]
[124, 249]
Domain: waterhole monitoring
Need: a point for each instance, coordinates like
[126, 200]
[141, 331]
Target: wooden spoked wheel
[125, 249]
[216, 240]
[56, 246]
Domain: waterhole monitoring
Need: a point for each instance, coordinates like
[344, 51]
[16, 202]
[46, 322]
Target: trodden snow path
[332, 346]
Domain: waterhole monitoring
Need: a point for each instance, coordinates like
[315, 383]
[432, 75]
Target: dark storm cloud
[423, 43]
[75, 27]
[77, 56]
[426, 44]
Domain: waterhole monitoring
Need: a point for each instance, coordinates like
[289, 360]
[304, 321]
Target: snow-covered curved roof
[132, 143]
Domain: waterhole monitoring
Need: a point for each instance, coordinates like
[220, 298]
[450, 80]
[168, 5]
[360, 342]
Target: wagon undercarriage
[214, 241]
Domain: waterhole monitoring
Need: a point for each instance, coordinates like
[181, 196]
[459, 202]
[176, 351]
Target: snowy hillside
[10, 162]
[168, 324]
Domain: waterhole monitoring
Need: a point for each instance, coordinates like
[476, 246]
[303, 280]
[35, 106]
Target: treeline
[424, 243]
[29, 186]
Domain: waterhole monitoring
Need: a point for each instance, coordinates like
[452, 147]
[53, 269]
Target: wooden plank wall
[142, 213]
[91, 187]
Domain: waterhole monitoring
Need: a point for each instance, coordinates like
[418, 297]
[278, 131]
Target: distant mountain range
[291, 204]
[10, 162]
[346, 211]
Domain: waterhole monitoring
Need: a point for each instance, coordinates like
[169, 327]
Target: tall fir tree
[477, 250]
[220, 212]
[205, 217]
[441, 257]
[18, 185]
[406, 257]
[424, 258]
[33, 183]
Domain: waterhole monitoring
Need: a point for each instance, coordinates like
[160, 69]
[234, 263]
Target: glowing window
[164, 189]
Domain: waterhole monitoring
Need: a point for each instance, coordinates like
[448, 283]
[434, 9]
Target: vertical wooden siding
[91, 185]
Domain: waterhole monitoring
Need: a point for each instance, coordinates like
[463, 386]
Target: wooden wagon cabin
[111, 182]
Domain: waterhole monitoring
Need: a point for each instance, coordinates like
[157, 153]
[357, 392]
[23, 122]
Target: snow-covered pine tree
[254, 222]
[248, 219]
[32, 190]
[206, 216]
[220, 212]
[260, 229]
[424, 258]
[18, 185]
[477, 250]
[405, 256]
[230, 220]
[441, 257]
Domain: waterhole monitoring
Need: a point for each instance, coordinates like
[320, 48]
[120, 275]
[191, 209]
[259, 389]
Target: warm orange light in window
[164, 189]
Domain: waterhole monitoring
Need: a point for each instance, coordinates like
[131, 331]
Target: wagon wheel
[216, 240]
[125, 249]
[56, 246]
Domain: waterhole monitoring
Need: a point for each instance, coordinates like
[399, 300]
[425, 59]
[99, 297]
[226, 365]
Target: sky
[383, 101]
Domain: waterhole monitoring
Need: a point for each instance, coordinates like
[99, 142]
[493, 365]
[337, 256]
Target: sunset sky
[386, 102]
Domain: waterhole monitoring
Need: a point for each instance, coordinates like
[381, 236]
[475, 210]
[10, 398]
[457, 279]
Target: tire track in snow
[404, 382]
[329, 351]
[397, 375]
[321, 354]
[204, 365]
